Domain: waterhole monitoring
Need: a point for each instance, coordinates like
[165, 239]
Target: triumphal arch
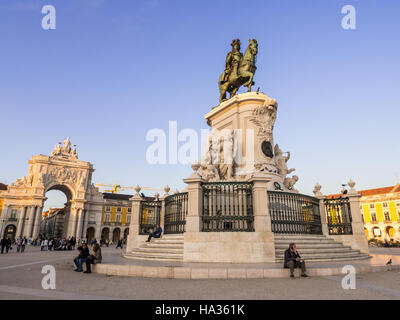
[24, 199]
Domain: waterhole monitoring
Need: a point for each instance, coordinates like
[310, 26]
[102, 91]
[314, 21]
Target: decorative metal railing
[227, 207]
[338, 216]
[149, 216]
[294, 213]
[176, 208]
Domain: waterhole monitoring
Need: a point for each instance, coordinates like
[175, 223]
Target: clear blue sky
[112, 70]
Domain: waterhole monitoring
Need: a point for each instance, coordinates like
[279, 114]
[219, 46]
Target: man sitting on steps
[293, 260]
[156, 233]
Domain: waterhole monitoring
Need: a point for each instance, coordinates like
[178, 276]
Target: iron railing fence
[227, 207]
[338, 216]
[294, 213]
[176, 208]
[149, 216]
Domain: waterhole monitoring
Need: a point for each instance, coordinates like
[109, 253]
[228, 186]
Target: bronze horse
[245, 73]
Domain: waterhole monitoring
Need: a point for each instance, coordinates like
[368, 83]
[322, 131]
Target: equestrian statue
[239, 69]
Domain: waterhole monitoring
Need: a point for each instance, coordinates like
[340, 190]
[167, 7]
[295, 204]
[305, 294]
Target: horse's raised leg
[222, 91]
[233, 92]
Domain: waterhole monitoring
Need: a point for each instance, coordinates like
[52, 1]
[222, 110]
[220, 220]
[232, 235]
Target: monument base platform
[180, 270]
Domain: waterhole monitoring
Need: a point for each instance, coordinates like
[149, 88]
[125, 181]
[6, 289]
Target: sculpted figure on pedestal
[217, 164]
[264, 118]
[280, 161]
[289, 183]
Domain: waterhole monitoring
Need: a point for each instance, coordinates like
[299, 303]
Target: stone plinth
[229, 247]
[241, 143]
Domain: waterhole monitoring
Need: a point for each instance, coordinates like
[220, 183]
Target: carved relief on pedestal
[264, 118]
[217, 162]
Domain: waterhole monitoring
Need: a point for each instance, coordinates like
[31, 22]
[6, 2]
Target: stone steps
[316, 248]
[166, 248]
[153, 257]
[361, 256]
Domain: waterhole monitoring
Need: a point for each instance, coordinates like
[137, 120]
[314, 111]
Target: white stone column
[3, 220]
[72, 222]
[360, 241]
[38, 219]
[322, 211]
[21, 220]
[79, 218]
[324, 218]
[31, 216]
[162, 211]
[262, 218]
[85, 223]
[133, 238]
[195, 203]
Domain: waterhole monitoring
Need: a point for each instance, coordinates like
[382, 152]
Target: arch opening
[56, 211]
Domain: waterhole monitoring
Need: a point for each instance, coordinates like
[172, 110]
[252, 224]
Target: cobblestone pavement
[21, 277]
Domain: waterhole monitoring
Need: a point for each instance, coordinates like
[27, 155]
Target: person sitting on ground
[94, 258]
[156, 233]
[81, 258]
[293, 260]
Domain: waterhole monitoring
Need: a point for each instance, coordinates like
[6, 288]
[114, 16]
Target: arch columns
[21, 221]
[29, 225]
[80, 223]
[37, 221]
[3, 219]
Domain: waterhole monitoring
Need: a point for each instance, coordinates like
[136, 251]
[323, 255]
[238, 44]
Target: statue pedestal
[241, 143]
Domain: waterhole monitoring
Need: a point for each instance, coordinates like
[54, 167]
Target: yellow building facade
[380, 210]
[116, 216]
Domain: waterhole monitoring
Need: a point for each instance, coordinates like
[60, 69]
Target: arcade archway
[116, 235]
[105, 234]
[390, 232]
[10, 232]
[90, 234]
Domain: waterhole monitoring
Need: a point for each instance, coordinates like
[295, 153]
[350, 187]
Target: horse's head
[253, 46]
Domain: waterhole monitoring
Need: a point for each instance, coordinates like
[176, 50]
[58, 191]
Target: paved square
[20, 278]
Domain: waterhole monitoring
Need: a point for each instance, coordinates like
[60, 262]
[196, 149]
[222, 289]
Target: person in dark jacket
[293, 260]
[94, 258]
[81, 258]
[156, 233]
[3, 243]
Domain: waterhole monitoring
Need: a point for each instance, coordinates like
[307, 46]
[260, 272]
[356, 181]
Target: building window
[387, 216]
[129, 210]
[119, 209]
[372, 206]
[108, 209]
[373, 217]
[13, 213]
[107, 218]
[118, 217]
[385, 204]
[128, 219]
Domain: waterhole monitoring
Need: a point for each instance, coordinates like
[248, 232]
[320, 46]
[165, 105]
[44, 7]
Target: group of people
[5, 245]
[86, 257]
[57, 244]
